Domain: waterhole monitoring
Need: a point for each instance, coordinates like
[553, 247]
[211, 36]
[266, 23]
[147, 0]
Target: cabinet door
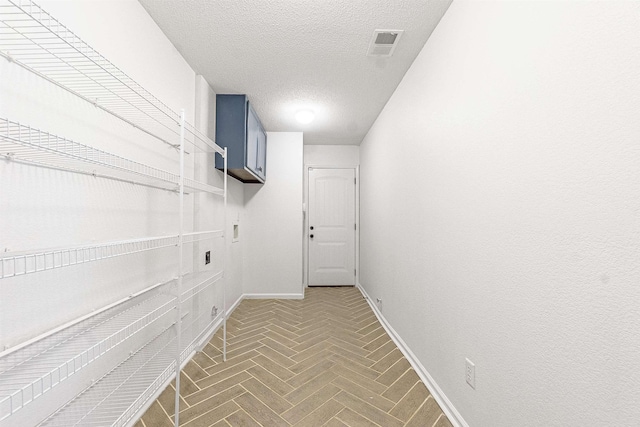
[253, 130]
[261, 165]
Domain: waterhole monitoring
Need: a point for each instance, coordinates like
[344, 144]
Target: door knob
[311, 227]
[311, 236]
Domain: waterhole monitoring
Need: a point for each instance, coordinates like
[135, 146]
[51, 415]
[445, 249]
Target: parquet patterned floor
[321, 361]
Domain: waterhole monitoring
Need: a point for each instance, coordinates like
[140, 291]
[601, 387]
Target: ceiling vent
[384, 42]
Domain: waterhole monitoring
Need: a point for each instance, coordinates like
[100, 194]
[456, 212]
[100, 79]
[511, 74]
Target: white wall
[272, 232]
[336, 156]
[500, 211]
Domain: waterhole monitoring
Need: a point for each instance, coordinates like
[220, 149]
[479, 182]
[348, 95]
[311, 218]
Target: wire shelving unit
[150, 333]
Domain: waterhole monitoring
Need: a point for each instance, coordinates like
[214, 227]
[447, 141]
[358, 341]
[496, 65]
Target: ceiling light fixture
[305, 116]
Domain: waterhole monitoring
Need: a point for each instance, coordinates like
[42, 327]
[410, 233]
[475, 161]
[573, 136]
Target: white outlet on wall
[470, 373]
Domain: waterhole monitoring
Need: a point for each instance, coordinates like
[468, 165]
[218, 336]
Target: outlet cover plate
[470, 373]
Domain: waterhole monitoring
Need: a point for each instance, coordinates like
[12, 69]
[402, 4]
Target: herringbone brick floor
[321, 361]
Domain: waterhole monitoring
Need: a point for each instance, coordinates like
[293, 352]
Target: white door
[332, 221]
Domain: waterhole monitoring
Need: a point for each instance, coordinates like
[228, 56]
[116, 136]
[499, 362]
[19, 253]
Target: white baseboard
[234, 305]
[206, 337]
[273, 296]
[445, 404]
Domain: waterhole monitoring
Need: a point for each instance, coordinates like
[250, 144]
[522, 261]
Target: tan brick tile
[310, 373]
[216, 388]
[276, 369]
[259, 411]
[225, 373]
[267, 396]
[311, 351]
[270, 380]
[388, 361]
[282, 349]
[335, 422]
[402, 386]
[279, 358]
[321, 415]
[241, 419]
[349, 345]
[155, 416]
[356, 367]
[352, 419]
[361, 380]
[168, 400]
[390, 376]
[382, 351]
[203, 360]
[351, 356]
[368, 411]
[310, 361]
[194, 371]
[205, 406]
[307, 389]
[221, 366]
[427, 415]
[364, 394]
[410, 403]
[310, 404]
[213, 416]
[369, 328]
[443, 421]
[377, 343]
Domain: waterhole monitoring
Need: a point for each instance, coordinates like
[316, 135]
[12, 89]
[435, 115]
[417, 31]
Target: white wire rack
[39, 368]
[200, 236]
[194, 185]
[119, 395]
[25, 144]
[34, 262]
[111, 399]
[198, 282]
[36, 41]
[30, 145]
[151, 321]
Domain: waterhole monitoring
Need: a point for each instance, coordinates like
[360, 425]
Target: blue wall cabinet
[239, 129]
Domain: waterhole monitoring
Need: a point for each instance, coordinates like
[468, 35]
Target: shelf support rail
[20, 264]
[224, 265]
[180, 268]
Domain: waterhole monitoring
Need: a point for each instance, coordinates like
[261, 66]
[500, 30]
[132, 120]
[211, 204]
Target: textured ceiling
[292, 54]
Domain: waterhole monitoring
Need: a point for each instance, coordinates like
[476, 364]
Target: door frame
[305, 219]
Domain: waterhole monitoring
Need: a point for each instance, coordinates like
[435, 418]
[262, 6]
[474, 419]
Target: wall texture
[332, 155]
[272, 233]
[500, 211]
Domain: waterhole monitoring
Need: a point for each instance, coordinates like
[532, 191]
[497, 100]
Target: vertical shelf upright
[106, 366]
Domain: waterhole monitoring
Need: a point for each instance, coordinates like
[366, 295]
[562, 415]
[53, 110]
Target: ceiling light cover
[305, 116]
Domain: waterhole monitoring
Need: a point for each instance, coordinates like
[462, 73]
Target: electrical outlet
[214, 311]
[470, 373]
[207, 257]
[379, 304]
